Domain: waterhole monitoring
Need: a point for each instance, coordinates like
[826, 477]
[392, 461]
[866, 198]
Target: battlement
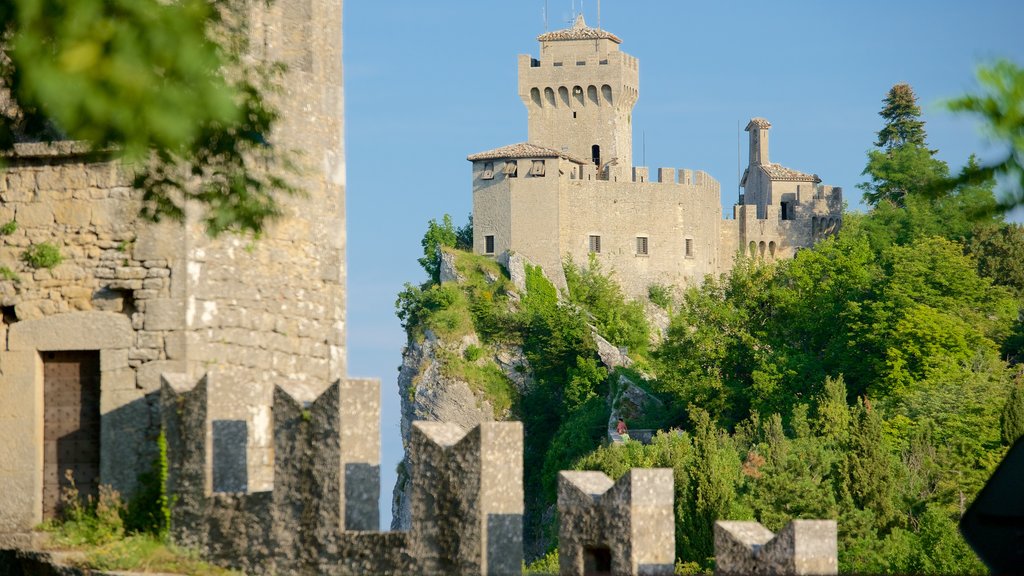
[321, 515]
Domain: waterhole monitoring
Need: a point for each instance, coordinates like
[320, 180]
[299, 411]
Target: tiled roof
[522, 150]
[579, 31]
[758, 123]
[780, 172]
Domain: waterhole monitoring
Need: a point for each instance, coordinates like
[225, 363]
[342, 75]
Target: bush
[43, 255]
[661, 296]
[8, 274]
[8, 228]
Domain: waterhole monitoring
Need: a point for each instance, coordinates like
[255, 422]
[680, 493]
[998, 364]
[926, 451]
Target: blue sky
[427, 83]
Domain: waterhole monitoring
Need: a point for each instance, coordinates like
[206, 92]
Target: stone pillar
[467, 498]
[801, 547]
[21, 441]
[626, 527]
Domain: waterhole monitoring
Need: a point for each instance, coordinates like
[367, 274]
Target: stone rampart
[801, 547]
[321, 514]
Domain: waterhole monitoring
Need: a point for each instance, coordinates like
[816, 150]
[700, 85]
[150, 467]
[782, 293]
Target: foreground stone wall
[801, 547]
[321, 515]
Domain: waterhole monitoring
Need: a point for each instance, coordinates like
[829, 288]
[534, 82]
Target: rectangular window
[689, 247]
[581, 62]
[595, 244]
[558, 63]
[489, 244]
[538, 168]
[488, 173]
[641, 245]
[787, 211]
[511, 168]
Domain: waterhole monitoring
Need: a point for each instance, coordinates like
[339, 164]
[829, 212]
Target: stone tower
[580, 95]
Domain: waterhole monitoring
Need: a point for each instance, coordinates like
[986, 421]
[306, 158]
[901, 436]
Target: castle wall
[666, 213]
[273, 309]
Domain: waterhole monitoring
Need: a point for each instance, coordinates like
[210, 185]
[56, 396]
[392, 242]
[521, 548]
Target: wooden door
[71, 425]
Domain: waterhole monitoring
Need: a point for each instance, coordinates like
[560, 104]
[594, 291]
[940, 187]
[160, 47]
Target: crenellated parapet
[625, 527]
[801, 547]
[321, 515]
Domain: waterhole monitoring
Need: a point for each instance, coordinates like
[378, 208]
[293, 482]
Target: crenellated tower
[580, 95]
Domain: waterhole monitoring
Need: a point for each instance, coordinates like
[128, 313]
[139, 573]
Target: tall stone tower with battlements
[580, 95]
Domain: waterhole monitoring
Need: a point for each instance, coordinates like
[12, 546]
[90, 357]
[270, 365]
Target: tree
[1001, 107]
[903, 124]
[1012, 419]
[437, 235]
[146, 81]
[464, 235]
[902, 164]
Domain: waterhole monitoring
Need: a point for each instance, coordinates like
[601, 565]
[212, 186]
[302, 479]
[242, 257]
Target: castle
[572, 190]
[235, 352]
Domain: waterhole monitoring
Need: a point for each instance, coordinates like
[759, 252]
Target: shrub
[660, 295]
[8, 274]
[43, 255]
[8, 228]
[473, 352]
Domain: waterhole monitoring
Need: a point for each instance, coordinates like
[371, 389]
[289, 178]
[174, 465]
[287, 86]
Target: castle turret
[580, 95]
[758, 128]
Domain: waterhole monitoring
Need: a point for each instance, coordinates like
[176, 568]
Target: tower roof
[579, 31]
[758, 123]
[523, 150]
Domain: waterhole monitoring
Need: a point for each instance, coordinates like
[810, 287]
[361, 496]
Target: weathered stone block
[35, 215]
[72, 213]
[163, 241]
[148, 374]
[113, 360]
[72, 331]
[165, 314]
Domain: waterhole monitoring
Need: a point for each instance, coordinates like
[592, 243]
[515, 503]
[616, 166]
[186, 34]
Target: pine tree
[1012, 420]
[903, 124]
[903, 164]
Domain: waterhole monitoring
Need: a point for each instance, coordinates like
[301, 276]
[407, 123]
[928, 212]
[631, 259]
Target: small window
[534, 63]
[787, 211]
[538, 168]
[689, 247]
[488, 173]
[558, 63]
[511, 168]
[595, 244]
[581, 62]
[489, 244]
[641, 245]
[603, 62]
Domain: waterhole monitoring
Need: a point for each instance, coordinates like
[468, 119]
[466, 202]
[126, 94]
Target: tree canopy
[160, 84]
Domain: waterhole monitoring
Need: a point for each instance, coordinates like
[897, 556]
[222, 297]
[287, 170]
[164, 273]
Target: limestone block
[174, 346]
[148, 374]
[120, 380]
[72, 331]
[160, 241]
[113, 360]
[21, 186]
[21, 439]
[110, 213]
[165, 314]
[801, 547]
[72, 212]
[35, 215]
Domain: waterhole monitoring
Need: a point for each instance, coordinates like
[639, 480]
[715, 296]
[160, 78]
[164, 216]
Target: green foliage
[42, 255]
[900, 172]
[8, 228]
[546, 564]
[1000, 106]
[1011, 421]
[145, 80]
[999, 250]
[473, 353]
[149, 509]
[485, 377]
[8, 274]
[903, 125]
[579, 434]
[661, 296]
[464, 235]
[436, 237]
[622, 323]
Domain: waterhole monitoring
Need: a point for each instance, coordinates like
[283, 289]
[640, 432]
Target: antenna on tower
[738, 177]
[545, 15]
[598, 14]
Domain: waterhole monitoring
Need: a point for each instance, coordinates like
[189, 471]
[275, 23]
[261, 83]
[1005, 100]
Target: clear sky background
[429, 82]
